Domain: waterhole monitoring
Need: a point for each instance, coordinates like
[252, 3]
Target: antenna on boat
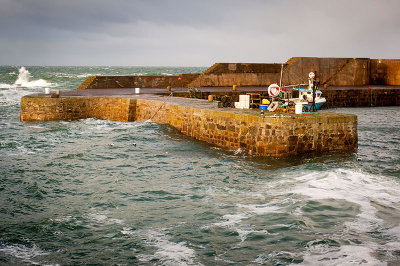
[280, 81]
[312, 86]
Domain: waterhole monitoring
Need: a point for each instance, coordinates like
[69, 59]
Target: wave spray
[24, 77]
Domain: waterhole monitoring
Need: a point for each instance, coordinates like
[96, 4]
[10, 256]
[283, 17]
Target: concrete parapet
[330, 71]
[105, 82]
[241, 74]
[385, 71]
[282, 135]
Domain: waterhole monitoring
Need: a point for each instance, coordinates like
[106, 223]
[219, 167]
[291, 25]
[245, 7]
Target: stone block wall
[385, 72]
[239, 79]
[241, 74]
[106, 82]
[361, 97]
[330, 71]
[256, 135]
[350, 97]
[263, 136]
[220, 68]
[50, 109]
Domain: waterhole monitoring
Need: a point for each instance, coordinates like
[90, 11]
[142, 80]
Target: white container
[245, 101]
[238, 105]
[298, 110]
[137, 90]
[47, 90]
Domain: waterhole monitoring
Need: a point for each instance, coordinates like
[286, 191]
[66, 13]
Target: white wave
[23, 252]
[127, 231]
[24, 77]
[343, 255]
[231, 219]
[168, 252]
[12, 96]
[21, 150]
[21, 87]
[82, 75]
[103, 126]
[103, 219]
[356, 187]
[86, 75]
[238, 151]
[7, 86]
[365, 190]
[260, 209]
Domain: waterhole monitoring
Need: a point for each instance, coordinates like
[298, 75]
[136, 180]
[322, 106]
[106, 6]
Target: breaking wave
[26, 254]
[24, 77]
[11, 94]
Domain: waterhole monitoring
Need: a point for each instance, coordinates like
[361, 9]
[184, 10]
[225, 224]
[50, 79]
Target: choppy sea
[111, 193]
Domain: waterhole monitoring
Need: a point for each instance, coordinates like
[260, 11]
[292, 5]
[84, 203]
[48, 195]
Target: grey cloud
[184, 32]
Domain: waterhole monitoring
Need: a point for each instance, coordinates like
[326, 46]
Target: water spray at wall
[24, 77]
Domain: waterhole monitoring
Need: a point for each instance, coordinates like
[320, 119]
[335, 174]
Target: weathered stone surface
[104, 82]
[385, 72]
[258, 135]
[330, 71]
[46, 108]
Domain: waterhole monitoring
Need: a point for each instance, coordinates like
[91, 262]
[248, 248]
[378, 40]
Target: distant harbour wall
[107, 82]
[330, 72]
[361, 97]
[262, 136]
[343, 97]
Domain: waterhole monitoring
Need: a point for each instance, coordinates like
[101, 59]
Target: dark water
[81, 192]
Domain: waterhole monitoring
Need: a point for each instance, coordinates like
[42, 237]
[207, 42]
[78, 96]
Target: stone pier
[277, 135]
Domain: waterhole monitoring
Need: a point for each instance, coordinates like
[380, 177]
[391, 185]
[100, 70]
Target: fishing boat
[284, 95]
[306, 99]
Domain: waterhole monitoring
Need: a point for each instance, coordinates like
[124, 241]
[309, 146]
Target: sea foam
[26, 254]
[168, 252]
[11, 94]
[24, 77]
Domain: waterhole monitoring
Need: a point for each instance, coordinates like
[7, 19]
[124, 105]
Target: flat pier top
[151, 95]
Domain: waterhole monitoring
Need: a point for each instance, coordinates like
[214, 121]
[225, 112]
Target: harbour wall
[385, 71]
[330, 72]
[44, 108]
[361, 97]
[340, 97]
[277, 136]
[107, 82]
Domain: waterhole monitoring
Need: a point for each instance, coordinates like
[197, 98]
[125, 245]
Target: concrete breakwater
[271, 135]
[336, 72]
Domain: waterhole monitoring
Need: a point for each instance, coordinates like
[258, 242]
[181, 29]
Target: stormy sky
[194, 32]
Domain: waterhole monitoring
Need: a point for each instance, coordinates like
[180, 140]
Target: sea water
[115, 193]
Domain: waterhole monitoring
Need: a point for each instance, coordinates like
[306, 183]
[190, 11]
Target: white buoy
[298, 110]
[273, 90]
[137, 90]
[47, 90]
